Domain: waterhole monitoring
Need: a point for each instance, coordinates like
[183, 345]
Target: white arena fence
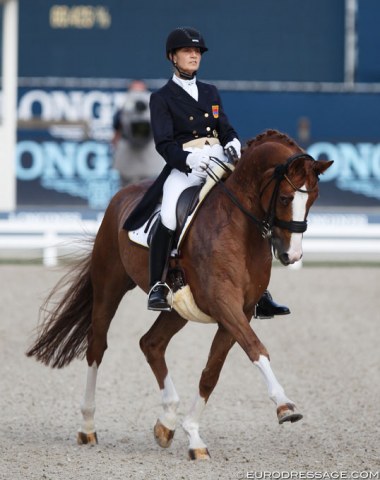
[342, 233]
[46, 236]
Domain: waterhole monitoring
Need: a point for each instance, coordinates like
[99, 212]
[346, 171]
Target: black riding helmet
[184, 37]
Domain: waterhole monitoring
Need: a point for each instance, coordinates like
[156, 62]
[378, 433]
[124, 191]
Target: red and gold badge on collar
[215, 111]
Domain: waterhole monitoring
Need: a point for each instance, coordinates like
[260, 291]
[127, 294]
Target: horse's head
[288, 191]
[279, 182]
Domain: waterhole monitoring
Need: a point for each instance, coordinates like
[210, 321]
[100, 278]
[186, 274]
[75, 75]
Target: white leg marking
[275, 390]
[191, 423]
[170, 402]
[299, 211]
[88, 405]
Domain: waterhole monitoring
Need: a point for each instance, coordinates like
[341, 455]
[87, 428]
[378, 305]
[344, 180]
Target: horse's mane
[272, 135]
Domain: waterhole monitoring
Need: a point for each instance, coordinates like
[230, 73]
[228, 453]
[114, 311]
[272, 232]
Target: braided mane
[272, 135]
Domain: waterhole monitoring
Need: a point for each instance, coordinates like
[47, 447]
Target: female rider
[189, 126]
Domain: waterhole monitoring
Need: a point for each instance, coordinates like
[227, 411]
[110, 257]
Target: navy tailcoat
[177, 119]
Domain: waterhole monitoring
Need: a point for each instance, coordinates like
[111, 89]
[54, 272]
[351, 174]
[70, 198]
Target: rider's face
[187, 59]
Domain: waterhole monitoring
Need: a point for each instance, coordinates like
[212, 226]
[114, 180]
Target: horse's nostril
[284, 258]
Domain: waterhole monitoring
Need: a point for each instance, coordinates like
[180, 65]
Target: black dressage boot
[160, 249]
[267, 308]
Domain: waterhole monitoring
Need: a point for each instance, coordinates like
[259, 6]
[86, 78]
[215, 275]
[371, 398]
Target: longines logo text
[356, 167]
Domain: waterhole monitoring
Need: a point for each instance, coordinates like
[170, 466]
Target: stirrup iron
[169, 297]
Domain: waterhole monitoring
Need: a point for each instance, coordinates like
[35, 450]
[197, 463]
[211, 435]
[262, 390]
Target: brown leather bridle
[266, 225]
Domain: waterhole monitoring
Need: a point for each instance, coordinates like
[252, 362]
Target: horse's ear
[321, 166]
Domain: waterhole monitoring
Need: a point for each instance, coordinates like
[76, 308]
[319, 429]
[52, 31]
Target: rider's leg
[160, 248]
[268, 308]
[162, 239]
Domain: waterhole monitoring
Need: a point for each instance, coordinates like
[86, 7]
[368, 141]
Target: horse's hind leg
[220, 347]
[87, 432]
[109, 288]
[153, 344]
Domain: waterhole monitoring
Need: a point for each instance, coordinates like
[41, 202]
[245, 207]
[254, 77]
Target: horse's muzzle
[279, 252]
[286, 260]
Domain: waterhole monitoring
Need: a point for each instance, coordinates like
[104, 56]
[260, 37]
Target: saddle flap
[187, 202]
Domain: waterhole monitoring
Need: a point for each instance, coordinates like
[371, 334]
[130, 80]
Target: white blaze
[299, 211]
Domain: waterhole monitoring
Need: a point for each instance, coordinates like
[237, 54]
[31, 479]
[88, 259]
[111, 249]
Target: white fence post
[50, 252]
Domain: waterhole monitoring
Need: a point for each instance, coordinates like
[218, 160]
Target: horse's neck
[244, 183]
[222, 226]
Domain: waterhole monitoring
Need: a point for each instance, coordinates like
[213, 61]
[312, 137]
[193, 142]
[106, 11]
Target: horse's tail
[63, 332]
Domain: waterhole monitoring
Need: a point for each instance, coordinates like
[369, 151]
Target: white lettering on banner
[73, 106]
[71, 165]
[80, 169]
[292, 474]
[92, 160]
[356, 167]
[59, 159]
[35, 160]
[53, 160]
[62, 106]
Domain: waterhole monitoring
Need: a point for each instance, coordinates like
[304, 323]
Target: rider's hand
[198, 161]
[237, 146]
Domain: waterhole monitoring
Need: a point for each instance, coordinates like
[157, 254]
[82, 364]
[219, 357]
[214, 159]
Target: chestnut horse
[226, 256]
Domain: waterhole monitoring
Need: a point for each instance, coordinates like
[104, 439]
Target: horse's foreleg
[220, 347]
[153, 344]
[237, 324]
[286, 409]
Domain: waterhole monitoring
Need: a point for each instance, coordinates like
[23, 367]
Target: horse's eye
[286, 200]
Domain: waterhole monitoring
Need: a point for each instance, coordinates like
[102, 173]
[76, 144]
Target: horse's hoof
[288, 413]
[87, 438]
[199, 454]
[163, 435]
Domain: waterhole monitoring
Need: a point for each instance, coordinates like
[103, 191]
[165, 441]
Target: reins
[230, 195]
[279, 174]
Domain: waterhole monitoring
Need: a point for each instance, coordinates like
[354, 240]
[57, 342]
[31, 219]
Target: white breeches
[178, 181]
